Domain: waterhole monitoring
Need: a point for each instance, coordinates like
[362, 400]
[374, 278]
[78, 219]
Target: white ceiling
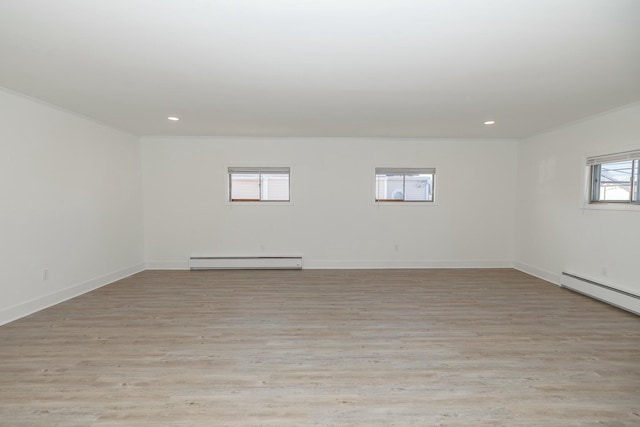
[380, 68]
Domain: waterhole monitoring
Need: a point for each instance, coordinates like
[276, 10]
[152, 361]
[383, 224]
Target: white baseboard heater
[246, 262]
[616, 297]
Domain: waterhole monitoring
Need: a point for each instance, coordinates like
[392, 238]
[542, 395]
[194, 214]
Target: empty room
[320, 213]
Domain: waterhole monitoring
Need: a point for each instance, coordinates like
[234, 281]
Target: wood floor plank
[323, 348]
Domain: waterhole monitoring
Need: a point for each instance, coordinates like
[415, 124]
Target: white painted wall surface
[554, 231]
[70, 191]
[332, 220]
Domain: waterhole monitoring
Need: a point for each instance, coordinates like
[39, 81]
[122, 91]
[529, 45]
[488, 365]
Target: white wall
[554, 231]
[71, 204]
[332, 220]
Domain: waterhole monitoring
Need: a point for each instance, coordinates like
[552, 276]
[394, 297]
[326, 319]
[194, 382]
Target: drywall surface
[556, 230]
[71, 194]
[332, 219]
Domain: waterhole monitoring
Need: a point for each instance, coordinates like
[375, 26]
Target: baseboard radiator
[616, 297]
[246, 263]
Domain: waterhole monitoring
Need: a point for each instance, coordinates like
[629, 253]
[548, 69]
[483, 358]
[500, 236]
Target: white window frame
[593, 165]
[404, 172]
[259, 170]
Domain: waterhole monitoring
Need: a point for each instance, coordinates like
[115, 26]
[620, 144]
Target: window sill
[229, 203]
[631, 207]
[422, 204]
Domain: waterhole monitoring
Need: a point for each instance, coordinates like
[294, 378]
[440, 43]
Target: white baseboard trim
[29, 307]
[548, 276]
[167, 265]
[355, 265]
[391, 264]
[245, 262]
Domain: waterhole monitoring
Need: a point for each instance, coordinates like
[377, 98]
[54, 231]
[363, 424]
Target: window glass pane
[636, 188]
[615, 181]
[259, 184]
[389, 187]
[414, 185]
[381, 186]
[275, 187]
[245, 186]
[418, 187]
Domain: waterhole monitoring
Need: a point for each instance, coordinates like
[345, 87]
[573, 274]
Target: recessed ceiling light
[490, 122]
[173, 118]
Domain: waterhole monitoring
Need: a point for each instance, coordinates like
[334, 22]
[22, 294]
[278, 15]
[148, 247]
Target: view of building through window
[615, 181]
[408, 185]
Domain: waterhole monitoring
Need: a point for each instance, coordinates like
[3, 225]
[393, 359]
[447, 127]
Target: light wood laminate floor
[469, 348]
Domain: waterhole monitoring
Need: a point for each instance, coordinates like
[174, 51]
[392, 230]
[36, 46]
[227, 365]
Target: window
[259, 184]
[405, 184]
[614, 178]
